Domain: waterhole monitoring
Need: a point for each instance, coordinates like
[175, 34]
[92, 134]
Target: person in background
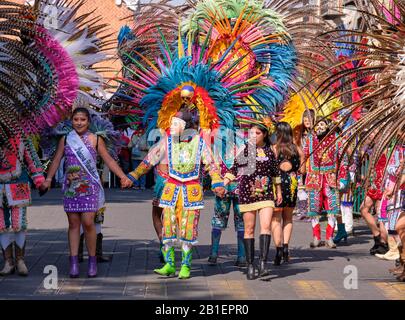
[290, 158]
[374, 195]
[15, 197]
[400, 226]
[139, 150]
[125, 155]
[389, 206]
[300, 135]
[222, 207]
[321, 181]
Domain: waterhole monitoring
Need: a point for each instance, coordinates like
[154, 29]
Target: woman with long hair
[291, 159]
[301, 131]
[300, 134]
[257, 168]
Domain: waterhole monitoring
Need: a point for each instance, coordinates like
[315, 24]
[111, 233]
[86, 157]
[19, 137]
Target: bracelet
[48, 179]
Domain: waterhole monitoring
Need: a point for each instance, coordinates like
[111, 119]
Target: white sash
[86, 160]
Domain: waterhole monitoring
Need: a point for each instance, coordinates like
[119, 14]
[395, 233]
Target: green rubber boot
[169, 268]
[186, 257]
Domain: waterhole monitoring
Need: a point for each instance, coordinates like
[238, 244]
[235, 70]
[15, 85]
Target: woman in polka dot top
[256, 168]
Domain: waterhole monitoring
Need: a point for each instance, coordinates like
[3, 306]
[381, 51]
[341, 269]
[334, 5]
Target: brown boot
[398, 270]
[19, 260]
[99, 250]
[9, 266]
[401, 275]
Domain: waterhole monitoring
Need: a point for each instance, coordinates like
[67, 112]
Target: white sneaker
[391, 255]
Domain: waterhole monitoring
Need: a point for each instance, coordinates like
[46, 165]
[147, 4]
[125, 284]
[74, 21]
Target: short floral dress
[80, 191]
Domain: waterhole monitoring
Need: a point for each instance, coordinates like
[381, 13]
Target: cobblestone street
[129, 236]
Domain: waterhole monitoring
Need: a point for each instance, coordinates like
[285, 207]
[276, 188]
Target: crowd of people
[217, 111]
[263, 178]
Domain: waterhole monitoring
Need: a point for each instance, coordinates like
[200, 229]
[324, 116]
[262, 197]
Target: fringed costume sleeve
[33, 164]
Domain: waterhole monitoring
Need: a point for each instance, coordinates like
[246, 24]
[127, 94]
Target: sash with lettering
[86, 160]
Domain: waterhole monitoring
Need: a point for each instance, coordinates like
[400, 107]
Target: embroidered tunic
[182, 196]
[14, 176]
[15, 192]
[321, 180]
[257, 169]
[377, 179]
[183, 160]
[321, 164]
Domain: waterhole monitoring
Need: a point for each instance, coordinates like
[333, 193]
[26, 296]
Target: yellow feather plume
[298, 103]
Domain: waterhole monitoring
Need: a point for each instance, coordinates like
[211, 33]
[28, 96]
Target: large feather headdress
[46, 65]
[382, 124]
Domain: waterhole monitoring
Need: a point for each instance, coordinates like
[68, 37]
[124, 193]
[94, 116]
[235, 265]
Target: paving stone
[130, 237]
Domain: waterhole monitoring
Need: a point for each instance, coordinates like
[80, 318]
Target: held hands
[45, 186]
[125, 182]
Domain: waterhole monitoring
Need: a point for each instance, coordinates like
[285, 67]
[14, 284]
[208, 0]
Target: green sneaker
[169, 268]
[184, 272]
[185, 264]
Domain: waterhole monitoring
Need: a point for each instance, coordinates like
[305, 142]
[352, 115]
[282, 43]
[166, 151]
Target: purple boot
[74, 266]
[92, 269]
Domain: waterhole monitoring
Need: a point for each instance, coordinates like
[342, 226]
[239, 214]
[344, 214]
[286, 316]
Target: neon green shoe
[184, 272]
[169, 268]
[186, 257]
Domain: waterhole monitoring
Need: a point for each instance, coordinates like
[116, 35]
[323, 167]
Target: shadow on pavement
[114, 195]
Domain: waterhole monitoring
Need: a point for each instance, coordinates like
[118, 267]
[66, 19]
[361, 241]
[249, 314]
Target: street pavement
[348, 272]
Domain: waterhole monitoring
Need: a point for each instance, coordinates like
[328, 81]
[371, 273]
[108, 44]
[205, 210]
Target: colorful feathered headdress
[236, 55]
[324, 107]
[241, 57]
[382, 123]
[72, 44]
[48, 63]
[252, 36]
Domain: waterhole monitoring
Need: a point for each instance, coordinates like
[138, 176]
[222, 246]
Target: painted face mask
[321, 128]
[177, 126]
